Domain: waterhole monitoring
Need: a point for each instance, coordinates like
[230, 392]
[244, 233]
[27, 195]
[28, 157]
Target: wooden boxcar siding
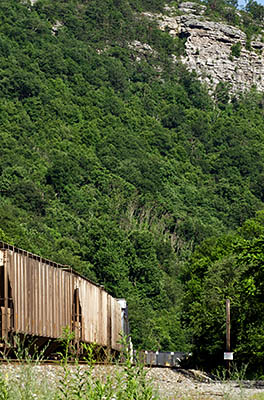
[42, 295]
[116, 324]
[93, 302]
[101, 315]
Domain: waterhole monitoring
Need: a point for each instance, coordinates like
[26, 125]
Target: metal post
[228, 342]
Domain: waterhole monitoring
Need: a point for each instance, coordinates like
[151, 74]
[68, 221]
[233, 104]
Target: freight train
[39, 298]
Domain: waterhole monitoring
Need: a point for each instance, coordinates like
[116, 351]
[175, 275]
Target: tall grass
[27, 380]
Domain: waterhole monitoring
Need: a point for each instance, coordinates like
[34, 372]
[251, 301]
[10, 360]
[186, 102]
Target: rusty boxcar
[40, 298]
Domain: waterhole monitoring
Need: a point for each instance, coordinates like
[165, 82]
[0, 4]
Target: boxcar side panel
[116, 325]
[93, 301]
[103, 319]
[88, 302]
[44, 293]
[41, 293]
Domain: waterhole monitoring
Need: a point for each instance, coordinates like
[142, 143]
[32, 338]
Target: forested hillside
[123, 167]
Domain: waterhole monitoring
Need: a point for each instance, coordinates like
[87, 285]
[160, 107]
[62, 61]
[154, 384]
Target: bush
[236, 50]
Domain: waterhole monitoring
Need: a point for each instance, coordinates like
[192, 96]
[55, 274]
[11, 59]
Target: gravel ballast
[172, 384]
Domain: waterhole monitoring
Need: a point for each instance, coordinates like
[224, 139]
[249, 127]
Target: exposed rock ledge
[208, 49]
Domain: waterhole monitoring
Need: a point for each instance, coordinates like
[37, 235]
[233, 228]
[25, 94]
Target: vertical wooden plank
[39, 294]
[24, 292]
[25, 289]
[45, 299]
[29, 295]
[78, 312]
[104, 318]
[74, 284]
[5, 311]
[54, 283]
[66, 298]
[68, 312]
[16, 297]
[70, 298]
[36, 301]
[83, 300]
[109, 320]
[53, 301]
[40, 298]
[95, 313]
[11, 282]
[32, 300]
[59, 304]
[64, 305]
[56, 286]
[63, 298]
[63, 311]
[92, 308]
[99, 316]
[50, 301]
[112, 324]
[20, 296]
[17, 306]
[116, 324]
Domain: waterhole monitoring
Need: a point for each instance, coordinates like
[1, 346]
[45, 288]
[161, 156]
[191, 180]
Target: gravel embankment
[190, 384]
[172, 384]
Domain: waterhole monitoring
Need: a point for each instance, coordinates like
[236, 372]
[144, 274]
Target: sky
[242, 3]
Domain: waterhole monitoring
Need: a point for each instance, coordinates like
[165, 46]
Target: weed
[236, 375]
[258, 396]
[126, 383]
[3, 388]
[236, 49]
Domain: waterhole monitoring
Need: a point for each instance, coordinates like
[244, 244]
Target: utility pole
[228, 343]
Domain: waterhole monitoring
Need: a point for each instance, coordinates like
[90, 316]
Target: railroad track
[78, 362]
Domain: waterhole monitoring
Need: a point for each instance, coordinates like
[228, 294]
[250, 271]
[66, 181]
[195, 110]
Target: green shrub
[29, 381]
[236, 49]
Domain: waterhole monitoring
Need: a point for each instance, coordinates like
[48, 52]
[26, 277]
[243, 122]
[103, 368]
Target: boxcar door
[77, 318]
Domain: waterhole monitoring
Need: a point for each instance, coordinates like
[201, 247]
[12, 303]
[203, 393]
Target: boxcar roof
[6, 246]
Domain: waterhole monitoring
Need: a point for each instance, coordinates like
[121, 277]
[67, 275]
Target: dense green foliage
[249, 19]
[121, 167]
[230, 266]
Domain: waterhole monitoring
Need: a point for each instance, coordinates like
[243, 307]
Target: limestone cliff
[209, 45]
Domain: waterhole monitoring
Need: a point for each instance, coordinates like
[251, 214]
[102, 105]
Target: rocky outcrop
[214, 50]
[141, 50]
